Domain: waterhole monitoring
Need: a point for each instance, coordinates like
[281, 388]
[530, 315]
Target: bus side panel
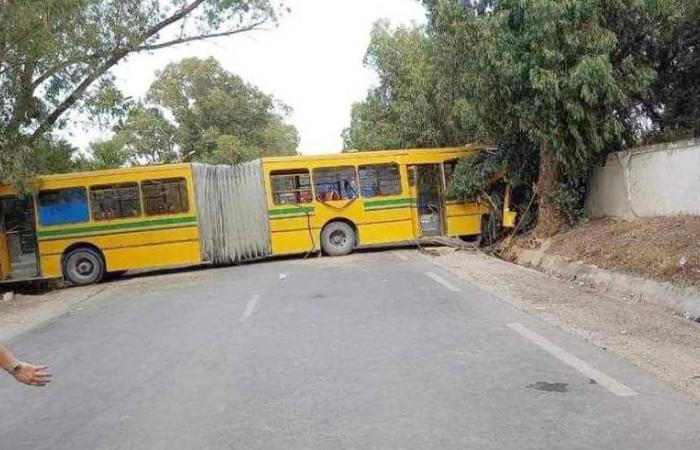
[294, 242]
[159, 255]
[290, 235]
[464, 219]
[51, 266]
[131, 250]
[387, 222]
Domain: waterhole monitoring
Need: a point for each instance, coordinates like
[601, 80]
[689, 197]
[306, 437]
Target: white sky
[312, 62]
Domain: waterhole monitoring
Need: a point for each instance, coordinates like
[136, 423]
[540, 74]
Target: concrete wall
[659, 180]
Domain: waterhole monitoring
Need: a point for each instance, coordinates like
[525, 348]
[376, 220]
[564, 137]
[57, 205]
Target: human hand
[32, 375]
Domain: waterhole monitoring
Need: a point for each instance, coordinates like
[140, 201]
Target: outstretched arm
[23, 372]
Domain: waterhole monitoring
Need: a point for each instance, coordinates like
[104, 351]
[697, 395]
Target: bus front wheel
[83, 266]
[338, 239]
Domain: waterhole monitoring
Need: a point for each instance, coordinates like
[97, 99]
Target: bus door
[429, 197]
[18, 243]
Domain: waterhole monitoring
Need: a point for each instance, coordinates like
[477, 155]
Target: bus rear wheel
[338, 239]
[83, 266]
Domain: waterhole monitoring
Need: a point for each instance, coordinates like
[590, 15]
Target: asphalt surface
[376, 350]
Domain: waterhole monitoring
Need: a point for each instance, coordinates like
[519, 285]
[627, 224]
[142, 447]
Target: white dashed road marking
[250, 308]
[443, 282]
[601, 378]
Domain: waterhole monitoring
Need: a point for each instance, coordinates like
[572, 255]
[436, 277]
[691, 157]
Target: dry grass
[662, 248]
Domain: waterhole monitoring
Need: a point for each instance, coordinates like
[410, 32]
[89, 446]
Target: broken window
[380, 180]
[335, 183]
[166, 196]
[291, 187]
[115, 201]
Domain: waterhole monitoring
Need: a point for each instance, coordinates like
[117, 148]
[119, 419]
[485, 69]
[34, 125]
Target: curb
[683, 301]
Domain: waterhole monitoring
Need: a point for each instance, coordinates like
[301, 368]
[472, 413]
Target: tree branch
[76, 95]
[118, 54]
[65, 64]
[252, 27]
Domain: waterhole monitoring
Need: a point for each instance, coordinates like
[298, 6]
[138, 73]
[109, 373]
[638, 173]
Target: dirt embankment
[661, 248]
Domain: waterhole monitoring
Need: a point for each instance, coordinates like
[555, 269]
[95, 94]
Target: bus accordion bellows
[82, 226]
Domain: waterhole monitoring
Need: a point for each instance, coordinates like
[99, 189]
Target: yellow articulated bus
[81, 226]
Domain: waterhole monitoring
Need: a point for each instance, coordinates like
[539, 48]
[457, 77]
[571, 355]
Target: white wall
[659, 180]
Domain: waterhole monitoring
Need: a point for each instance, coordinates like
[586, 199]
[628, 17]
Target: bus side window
[335, 183]
[291, 187]
[166, 196]
[63, 206]
[380, 180]
[115, 201]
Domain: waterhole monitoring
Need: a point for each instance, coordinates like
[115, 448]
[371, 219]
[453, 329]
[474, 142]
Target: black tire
[338, 239]
[83, 266]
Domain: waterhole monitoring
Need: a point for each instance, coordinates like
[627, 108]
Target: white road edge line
[250, 308]
[443, 282]
[601, 378]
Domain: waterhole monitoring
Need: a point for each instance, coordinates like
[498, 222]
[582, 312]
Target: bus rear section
[335, 203]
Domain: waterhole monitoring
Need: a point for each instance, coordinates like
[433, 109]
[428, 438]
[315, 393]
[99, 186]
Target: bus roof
[106, 172]
[296, 158]
[355, 154]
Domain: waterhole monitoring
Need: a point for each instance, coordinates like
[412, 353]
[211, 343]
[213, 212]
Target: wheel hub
[84, 267]
[338, 238]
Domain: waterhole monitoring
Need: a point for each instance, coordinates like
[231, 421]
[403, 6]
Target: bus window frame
[356, 178]
[399, 183]
[291, 172]
[91, 202]
[142, 194]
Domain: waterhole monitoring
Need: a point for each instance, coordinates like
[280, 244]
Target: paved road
[376, 350]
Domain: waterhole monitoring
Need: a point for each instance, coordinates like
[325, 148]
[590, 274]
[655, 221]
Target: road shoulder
[647, 335]
[25, 312]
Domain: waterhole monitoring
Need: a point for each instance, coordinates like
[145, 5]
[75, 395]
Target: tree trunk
[550, 220]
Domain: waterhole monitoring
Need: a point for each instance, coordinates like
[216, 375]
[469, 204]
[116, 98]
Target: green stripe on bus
[115, 227]
[283, 213]
[388, 203]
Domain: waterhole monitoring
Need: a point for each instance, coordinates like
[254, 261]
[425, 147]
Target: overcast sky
[312, 62]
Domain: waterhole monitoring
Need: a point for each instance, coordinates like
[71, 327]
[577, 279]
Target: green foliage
[473, 174]
[578, 78]
[561, 84]
[55, 55]
[676, 99]
[568, 197]
[108, 154]
[417, 102]
[54, 156]
[147, 137]
[556, 81]
[218, 117]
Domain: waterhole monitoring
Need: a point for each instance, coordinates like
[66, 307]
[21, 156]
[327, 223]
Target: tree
[416, 103]
[676, 99]
[556, 83]
[109, 154]
[147, 137]
[56, 54]
[218, 117]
